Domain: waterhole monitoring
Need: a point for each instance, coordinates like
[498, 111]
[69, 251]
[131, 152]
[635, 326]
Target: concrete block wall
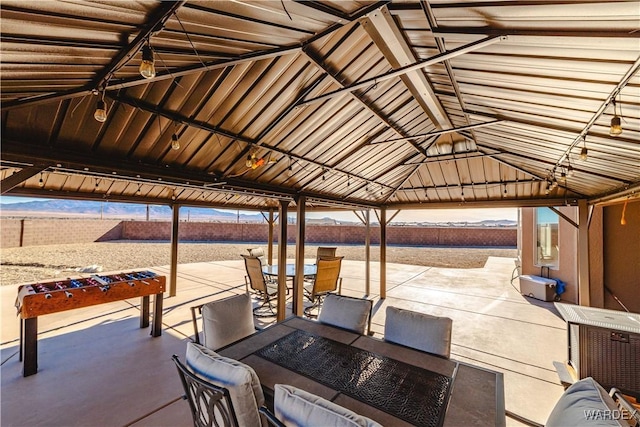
[32, 232]
[343, 234]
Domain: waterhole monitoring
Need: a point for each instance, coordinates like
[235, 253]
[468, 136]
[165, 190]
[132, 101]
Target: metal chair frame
[326, 280]
[210, 405]
[256, 281]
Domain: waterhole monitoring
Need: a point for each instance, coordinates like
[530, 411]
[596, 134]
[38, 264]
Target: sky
[422, 215]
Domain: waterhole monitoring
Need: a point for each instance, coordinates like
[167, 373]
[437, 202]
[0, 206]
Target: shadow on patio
[97, 367]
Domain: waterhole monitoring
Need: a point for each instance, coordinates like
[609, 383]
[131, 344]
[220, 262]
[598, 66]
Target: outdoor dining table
[391, 384]
[272, 270]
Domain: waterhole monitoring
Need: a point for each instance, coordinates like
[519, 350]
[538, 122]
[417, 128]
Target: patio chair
[326, 280]
[221, 391]
[258, 252]
[296, 407]
[325, 252]
[419, 331]
[265, 289]
[224, 321]
[349, 313]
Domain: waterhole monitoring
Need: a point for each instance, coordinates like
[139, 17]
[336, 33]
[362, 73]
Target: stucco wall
[567, 270]
[614, 255]
[621, 263]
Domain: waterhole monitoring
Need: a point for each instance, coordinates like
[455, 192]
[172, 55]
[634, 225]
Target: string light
[175, 143]
[101, 110]
[147, 67]
[616, 124]
[584, 152]
[41, 181]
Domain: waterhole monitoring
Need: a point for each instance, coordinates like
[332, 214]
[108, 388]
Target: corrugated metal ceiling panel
[239, 78]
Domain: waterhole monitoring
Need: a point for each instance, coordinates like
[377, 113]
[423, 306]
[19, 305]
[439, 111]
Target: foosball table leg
[156, 327]
[144, 311]
[29, 345]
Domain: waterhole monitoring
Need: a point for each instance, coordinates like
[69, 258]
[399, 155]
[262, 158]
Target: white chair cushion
[580, 399]
[345, 312]
[227, 320]
[418, 330]
[298, 408]
[240, 379]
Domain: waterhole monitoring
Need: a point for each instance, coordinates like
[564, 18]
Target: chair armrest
[339, 285]
[624, 404]
[270, 417]
[195, 321]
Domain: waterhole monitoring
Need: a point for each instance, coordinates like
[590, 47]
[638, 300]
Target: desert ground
[39, 263]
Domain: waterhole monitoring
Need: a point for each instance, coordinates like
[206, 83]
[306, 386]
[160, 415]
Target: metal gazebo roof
[406, 104]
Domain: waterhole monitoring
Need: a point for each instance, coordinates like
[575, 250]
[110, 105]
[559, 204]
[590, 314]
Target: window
[546, 253]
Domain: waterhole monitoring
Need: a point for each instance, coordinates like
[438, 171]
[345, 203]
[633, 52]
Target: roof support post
[173, 270]
[583, 253]
[298, 281]
[270, 238]
[367, 252]
[282, 262]
[383, 252]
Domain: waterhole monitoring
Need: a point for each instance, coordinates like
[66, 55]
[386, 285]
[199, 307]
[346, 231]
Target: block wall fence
[32, 232]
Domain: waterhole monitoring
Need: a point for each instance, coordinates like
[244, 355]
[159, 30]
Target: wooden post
[383, 252]
[173, 270]
[270, 238]
[584, 296]
[367, 252]
[282, 262]
[298, 280]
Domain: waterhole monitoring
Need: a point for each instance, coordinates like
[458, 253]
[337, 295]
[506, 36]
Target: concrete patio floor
[98, 368]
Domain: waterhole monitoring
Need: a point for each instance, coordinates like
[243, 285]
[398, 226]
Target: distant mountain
[122, 210]
[113, 210]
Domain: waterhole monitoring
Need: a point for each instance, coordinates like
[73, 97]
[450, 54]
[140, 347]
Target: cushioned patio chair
[258, 252]
[326, 280]
[224, 321]
[586, 398]
[325, 252]
[419, 331]
[295, 407]
[265, 289]
[220, 390]
[345, 312]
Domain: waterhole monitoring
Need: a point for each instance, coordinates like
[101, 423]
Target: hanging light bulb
[584, 152]
[101, 110]
[138, 191]
[175, 143]
[570, 171]
[616, 124]
[147, 67]
[41, 181]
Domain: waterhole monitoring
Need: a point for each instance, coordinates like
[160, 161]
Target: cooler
[538, 287]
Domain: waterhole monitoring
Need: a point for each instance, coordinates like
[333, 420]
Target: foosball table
[52, 297]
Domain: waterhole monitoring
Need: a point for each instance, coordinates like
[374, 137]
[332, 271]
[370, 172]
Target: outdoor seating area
[100, 357]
